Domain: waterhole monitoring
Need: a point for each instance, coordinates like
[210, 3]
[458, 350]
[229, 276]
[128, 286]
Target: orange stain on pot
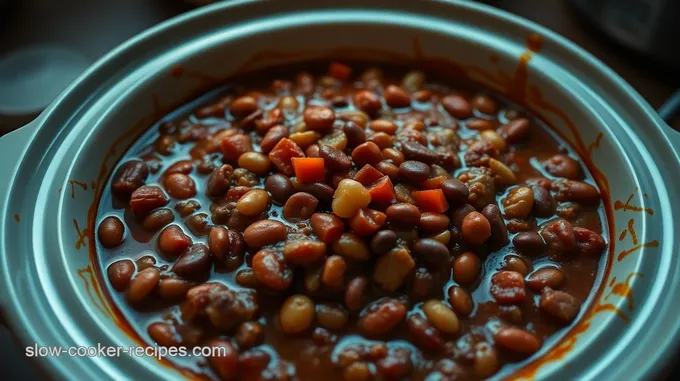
[92, 286]
[623, 289]
[534, 43]
[82, 235]
[73, 184]
[17, 218]
[595, 144]
[627, 206]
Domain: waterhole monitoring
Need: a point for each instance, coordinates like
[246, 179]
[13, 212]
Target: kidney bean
[517, 340]
[441, 316]
[396, 97]
[426, 337]
[486, 361]
[331, 317]
[499, 232]
[393, 155]
[270, 269]
[433, 222]
[300, 206]
[415, 136]
[253, 203]
[367, 222]
[173, 289]
[164, 145]
[368, 102]
[272, 137]
[422, 284]
[304, 252]
[172, 241]
[516, 263]
[459, 213]
[198, 224]
[224, 359]
[455, 191]
[588, 242]
[388, 169]
[559, 236]
[145, 262]
[297, 314]
[529, 243]
[403, 214]
[562, 165]
[180, 186]
[479, 124]
[249, 334]
[265, 232]
[461, 301]
[381, 317]
[457, 106]
[516, 130]
[544, 203]
[243, 106]
[484, 104]
[392, 269]
[120, 273]
[570, 190]
[333, 274]
[559, 304]
[395, 366]
[280, 188]
[219, 181]
[163, 334]
[414, 171]
[350, 246]
[147, 198]
[334, 158]
[354, 293]
[418, 152]
[321, 191]
[355, 134]
[255, 162]
[434, 253]
[111, 232]
[507, 287]
[129, 176]
[518, 202]
[466, 268]
[246, 278]
[319, 118]
[194, 262]
[383, 125]
[366, 153]
[545, 277]
[328, 227]
[475, 228]
[142, 285]
[157, 219]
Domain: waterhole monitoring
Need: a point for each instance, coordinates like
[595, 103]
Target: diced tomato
[283, 153]
[234, 146]
[309, 169]
[382, 191]
[368, 175]
[434, 183]
[431, 200]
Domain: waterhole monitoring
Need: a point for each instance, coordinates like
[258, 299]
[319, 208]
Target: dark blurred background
[44, 44]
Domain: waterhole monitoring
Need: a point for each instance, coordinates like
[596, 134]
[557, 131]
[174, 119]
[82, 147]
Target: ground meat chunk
[224, 307]
[481, 184]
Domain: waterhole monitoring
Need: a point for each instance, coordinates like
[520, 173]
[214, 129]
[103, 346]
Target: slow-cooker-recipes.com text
[100, 350]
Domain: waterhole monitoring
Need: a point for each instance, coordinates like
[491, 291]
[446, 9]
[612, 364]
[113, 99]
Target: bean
[455, 191]
[559, 236]
[507, 287]
[529, 243]
[224, 357]
[367, 222]
[350, 246]
[381, 317]
[331, 316]
[544, 203]
[321, 191]
[396, 366]
[383, 125]
[157, 219]
[271, 270]
[559, 304]
[516, 263]
[297, 314]
[272, 137]
[333, 274]
[391, 269]
[280, 187]
[305, 139]
[434, 253]
[499, 232]
[355, 134]
[366, 153]
[517, 340]
[319, 118]
[129, 176]
[172, 241]
[182, 166]
[403, 214]
[300, 206]
[476, 228]
[382, 140]
[545, 277]
[198, 224]
[425, 336]
[147, 198]
[396, 97]
[224, 243]
[433, 222]
[562, 165]
[393, 155]
[173, 289]
[349, 197]
[441, 316]
[484, 104]
[486, 361]
[142, 285]
[194, 262]
[357, 371]
[255, 162]
[220, 180]
[457, 106]
[461, 301]
[328, 227]
[516, 130]
[466, 268]
[164, 145]
[265, 232]
[354, 293]
[494, 138]
[418, 152]
[422, 95]
[479, 124]
[402, 192]
[253, 203]
[334, 159]
[383, 241]
[570, 190]
[120, 273]
[413, 80]
[111, 232]
[422, 284]
[243, 106]
[458, 214]
[145, 262]
[388, 169]
[246, 278]
[589, 242]
[304, 252]
[249, 334]
[368, 102]
[163, 334]
[414, 171]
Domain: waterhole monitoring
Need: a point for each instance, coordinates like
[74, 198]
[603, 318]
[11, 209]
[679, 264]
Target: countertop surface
[88, 29]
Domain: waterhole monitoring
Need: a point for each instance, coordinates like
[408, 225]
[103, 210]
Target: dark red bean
[354, 293]
[589, 242]
[224, 243]
[570, 190]
[300, 206]
[158, 219]
[319, 118]
[111, 232]
[396, 97]
[559, 304]
[434, 253]
[271, 270]
[516, 130]
[530, 243]
[321, 191]
[272, 137]
[187, 207]
[562, 165]
[403, 214]
[459, 213]
[426, 337]
[249, 334]
[416, 151]
[172, 241]
[545, 277]
[455, 191]
[381, 317]
[120, 273]
[304, 252]
[355, 134]
[507, 287]
[433, 222]
[544, 203]
[194, 262]
[517, 340]
[368, 102]
[559, 236]
[457, 106]
[388, 169]
[280, 188]
[198, 224]
[224, 361]
[142, 285]
[499, 233]
[383, 241]
[265, 232]
[422, 284]
[333, 158]
[366, 153]
[414, 171]
[147, 198]
[129, 176]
